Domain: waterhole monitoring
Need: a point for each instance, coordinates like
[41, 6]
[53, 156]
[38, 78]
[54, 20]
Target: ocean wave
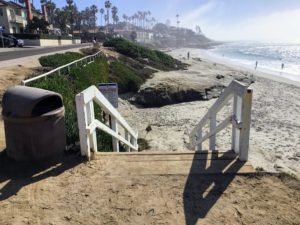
[270, 56]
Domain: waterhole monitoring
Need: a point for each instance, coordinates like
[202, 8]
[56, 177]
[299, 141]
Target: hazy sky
[275, 20]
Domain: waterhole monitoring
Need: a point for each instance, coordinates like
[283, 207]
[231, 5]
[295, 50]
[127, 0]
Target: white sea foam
[269, 56]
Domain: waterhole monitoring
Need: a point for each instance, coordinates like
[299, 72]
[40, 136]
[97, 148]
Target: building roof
[16, 5]
[3, 3]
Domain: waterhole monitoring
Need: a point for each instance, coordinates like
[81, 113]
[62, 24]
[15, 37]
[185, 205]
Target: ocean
[269, 57]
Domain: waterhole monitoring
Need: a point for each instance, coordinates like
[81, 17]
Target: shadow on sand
[20, 174]
[206, 183]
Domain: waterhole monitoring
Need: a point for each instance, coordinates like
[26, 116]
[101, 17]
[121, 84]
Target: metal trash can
[34, 124]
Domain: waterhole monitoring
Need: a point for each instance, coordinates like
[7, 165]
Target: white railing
[88, 124]
[240, 119]
[83, 61]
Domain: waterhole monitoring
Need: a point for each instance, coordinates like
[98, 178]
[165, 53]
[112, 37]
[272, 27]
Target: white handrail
[88, 124]
[240, 120]
[89, 59]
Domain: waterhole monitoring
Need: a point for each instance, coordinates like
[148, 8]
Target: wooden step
[167, 163]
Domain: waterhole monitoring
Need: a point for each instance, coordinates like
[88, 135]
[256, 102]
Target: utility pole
[177, 37]
[177, 16]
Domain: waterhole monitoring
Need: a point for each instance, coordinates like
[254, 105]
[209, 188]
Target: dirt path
[74, 192]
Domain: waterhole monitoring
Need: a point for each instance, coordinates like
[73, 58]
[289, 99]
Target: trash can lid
[22, 102]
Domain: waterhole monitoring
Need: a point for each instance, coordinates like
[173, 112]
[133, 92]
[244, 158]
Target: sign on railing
[88, 124]
[240, 120]
[110, 92]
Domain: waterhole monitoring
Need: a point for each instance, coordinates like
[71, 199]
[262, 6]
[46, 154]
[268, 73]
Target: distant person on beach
[282, 66]
[256, 63]
[188, 55]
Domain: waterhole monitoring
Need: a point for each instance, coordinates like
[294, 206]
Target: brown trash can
[34, 124]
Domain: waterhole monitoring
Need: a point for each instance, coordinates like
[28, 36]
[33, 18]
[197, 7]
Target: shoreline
[268, 74]
[275, 122]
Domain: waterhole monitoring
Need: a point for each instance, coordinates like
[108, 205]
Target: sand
[78, 192]
[74, 192]
[275, 127]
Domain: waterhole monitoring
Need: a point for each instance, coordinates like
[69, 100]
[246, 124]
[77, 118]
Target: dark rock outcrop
[161, 95]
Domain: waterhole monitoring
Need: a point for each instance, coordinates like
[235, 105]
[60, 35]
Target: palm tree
[107, 6]
[114, 12]
[125, 17]
[101, 11]
[140, 16]
[71, 17]
[94, 11]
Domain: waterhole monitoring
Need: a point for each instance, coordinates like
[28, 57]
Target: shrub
[154, 58]
[59, 59]
[127, 80]
[68, 86]
[89, 51]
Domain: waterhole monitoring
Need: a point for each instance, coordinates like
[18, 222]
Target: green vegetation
[126, 78]
[58, 60]
[128, 72]
[155, 58]
[68, 86]
[143, 144]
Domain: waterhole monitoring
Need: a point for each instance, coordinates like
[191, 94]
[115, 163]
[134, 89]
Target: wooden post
[199, 137]
[233, 136]
[82, 123]
[238, 118]
[212, 126]
[127, 137]
[135, 143]
[245, 131]
[114, 127]
[90, 118]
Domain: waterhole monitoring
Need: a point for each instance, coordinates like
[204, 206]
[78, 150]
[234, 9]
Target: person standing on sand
[282, 66]
[256, 63]
[188, 55]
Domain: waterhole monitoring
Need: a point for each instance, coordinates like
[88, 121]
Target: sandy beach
[103, 191]
[275, 127]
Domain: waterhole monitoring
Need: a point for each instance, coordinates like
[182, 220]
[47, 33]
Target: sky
[223, 20]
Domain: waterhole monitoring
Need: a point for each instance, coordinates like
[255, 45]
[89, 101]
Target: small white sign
[110, 92]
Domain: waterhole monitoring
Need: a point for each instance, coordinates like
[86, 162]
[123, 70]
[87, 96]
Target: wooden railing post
[238, 118]
[82, 124]
[246, 121]
[127, 137]
[90, 118]
[234, 128]
[135, 142]
[212, 127]
[114, 127]
[199, 137]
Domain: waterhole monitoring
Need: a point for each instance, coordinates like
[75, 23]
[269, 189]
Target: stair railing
[88, 124]
[240, 120]
[80, 62]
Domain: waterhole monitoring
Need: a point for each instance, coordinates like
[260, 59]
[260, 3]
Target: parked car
[6, 42]
[17, 42]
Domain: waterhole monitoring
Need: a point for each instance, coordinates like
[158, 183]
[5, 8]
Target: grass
[57, 60]
[154, 58]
